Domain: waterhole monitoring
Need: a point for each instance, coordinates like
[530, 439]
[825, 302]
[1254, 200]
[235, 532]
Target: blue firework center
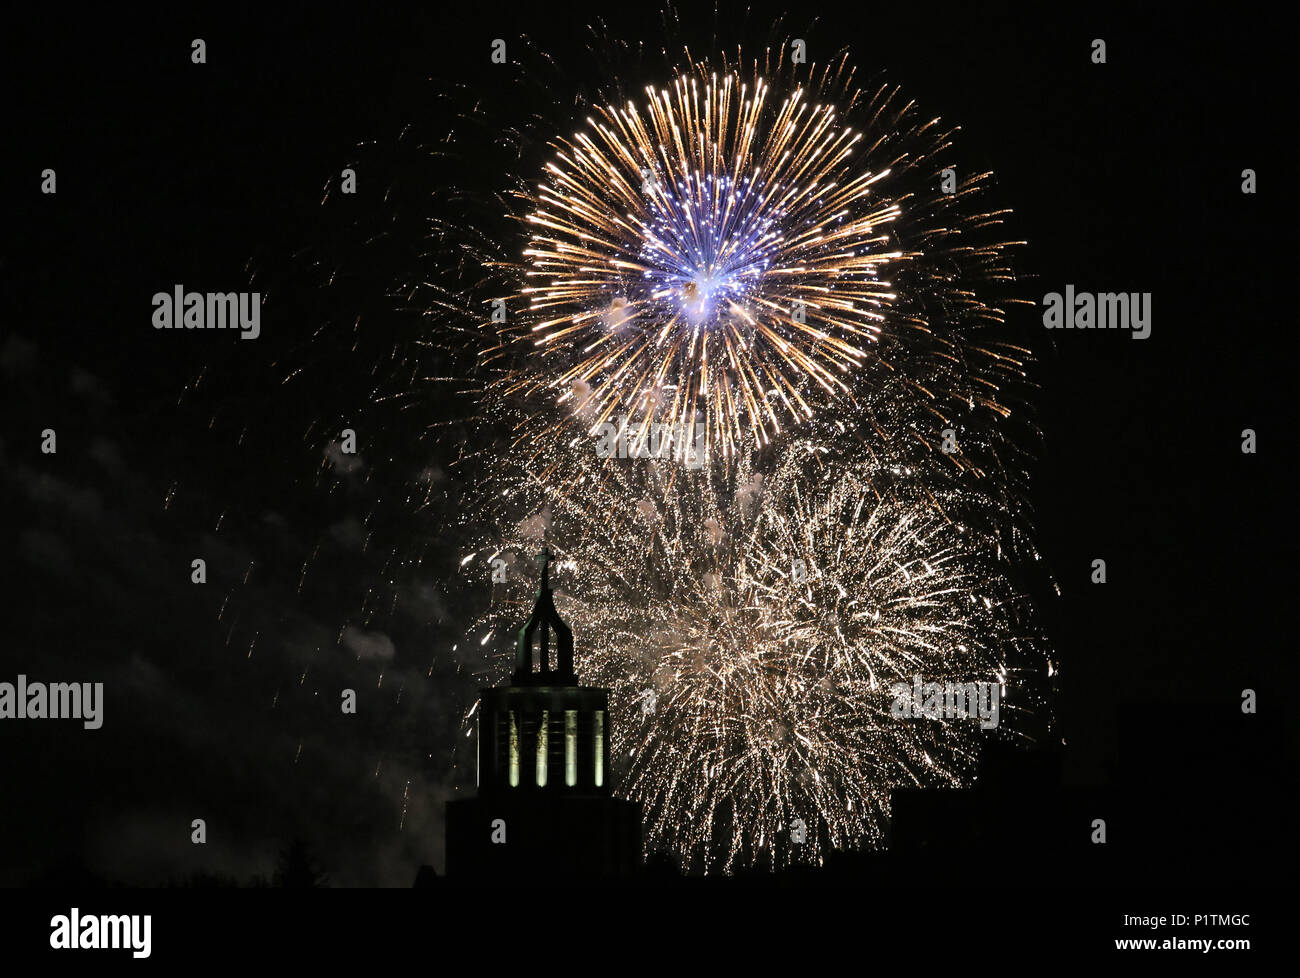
[545, 800]
[709, 245]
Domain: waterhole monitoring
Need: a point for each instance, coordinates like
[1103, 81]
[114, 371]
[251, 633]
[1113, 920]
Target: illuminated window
[541, 748]
[600, 748]
[514, 750]
[570, 747]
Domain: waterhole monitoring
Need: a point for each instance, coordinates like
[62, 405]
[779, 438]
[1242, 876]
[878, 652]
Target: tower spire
[546, 618]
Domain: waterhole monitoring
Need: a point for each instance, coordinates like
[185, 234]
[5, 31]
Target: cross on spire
[546, 618]
[543, 561]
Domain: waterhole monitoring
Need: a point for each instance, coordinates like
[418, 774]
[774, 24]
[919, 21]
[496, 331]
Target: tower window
[570, 747]
[542, 731]
[514, 750]
[600, 748]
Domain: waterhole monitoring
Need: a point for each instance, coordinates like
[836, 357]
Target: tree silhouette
[297, 869]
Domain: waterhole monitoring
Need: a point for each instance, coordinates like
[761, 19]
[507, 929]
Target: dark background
[1123, 177]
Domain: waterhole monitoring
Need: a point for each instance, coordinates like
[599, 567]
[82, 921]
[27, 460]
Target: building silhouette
[545, 803]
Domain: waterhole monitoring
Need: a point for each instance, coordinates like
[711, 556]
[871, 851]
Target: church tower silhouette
[545, 802]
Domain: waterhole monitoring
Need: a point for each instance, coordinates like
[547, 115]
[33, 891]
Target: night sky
[1123, 177]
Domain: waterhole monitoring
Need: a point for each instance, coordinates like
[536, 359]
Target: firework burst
[751, 629]
[766, 258]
